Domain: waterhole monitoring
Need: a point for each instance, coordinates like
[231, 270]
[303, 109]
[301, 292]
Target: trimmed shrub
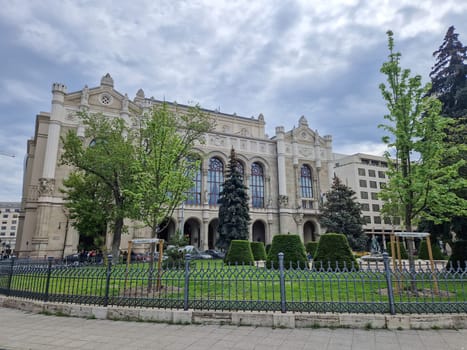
[268, 248]
[259, 253]
[334, 252]
[239, 252]
[459, 255]
[423, 251]
[311, 247]
[404, 254]
[293, 249]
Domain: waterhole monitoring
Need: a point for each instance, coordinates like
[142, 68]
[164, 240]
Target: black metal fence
[372, 287]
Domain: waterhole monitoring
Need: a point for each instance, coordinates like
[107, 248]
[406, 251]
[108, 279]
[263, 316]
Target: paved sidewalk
[22, 330]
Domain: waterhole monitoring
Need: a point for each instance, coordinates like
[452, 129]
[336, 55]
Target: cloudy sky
[282, 58]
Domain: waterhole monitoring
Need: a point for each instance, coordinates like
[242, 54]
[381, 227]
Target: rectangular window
[362, 183]
[374, 195]
[377, 219]
[381, 175]
[361, 171]
[382, 185]
[367, 219]
[12, 233]
[5, 216]
[363, 195]
[397, 220]
[13, 221]
[2, 233]
[375, 207]
[15, 215]
[365, 207]
[4, 222]
[3, 228]
[12, 227]
[373, 184]
[371, 173]
[387, 220]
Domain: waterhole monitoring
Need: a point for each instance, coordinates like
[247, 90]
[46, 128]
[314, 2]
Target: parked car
[195, 253]
[216, 254]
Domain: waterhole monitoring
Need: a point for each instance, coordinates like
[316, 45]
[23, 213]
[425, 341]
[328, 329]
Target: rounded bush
[311, 247]
[423, 251]
[293, 249]
[268, 248]
[239, 252]
[334, 252]
[404, 254]
[259, 253]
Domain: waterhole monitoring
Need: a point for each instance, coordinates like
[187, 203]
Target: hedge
[435, 249]
[239, 252]
[334, 252]
[459, 255]
[259, 253]
[311, 248]
[293, 249]
[404, 254]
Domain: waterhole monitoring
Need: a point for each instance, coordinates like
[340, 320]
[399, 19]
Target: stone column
[281, 161]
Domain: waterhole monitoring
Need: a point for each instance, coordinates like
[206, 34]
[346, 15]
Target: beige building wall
[9, 223]
[45, 228]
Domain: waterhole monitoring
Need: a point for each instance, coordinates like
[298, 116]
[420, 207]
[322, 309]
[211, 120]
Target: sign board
[146, 240]
[412, 234]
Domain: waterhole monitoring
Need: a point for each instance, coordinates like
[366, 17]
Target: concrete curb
[256, 319]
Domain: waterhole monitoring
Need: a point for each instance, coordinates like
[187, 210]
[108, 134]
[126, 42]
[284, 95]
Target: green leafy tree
[165, 164]
[341, 213]
[109, 159]
[449, 85]
[90, 206]
[234, 216]
[416, 148]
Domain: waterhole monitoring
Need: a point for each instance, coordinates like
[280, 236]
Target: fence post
[10, 276]
[387, 269]
[49, 273]
[107, 281]
[282, 281]
[186, 289]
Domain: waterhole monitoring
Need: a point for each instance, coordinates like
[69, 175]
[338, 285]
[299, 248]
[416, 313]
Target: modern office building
[286, 173]
[9, 216]
[366, 175]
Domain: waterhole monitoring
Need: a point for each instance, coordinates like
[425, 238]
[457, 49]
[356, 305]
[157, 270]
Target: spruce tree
[449, 75]
[234, 217]
[341, 213]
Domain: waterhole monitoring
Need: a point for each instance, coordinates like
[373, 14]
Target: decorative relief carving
[225, 128]
[46, 187]
[244, 132]
[218, 141]
[306, 152]
[298, 218]
[283, 201]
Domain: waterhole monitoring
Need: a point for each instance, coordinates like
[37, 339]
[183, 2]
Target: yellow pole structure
[430, 255]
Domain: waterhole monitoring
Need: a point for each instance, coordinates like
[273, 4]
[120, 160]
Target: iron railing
[372, 287]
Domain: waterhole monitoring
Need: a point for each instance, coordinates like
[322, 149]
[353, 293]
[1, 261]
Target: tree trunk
[117, 235]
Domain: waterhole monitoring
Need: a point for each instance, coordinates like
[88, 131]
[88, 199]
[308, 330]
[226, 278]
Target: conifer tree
[341, 213]
[234, 217]
[449, 75]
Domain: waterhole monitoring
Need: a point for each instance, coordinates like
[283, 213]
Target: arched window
[257, 185]
[306, 183]
[194, 193]
[215, 179]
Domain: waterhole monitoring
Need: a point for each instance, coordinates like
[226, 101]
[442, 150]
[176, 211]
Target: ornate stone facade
[286, 174]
